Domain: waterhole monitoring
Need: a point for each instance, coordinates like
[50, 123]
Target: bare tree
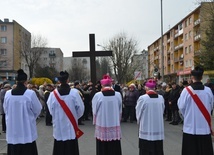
[31, 54]
[48, 72]
[78, 71]
[123, 50]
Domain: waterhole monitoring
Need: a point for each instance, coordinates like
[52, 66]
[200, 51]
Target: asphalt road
[87, 146]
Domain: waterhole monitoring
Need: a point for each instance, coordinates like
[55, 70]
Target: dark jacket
[131, 98]
[174, 96]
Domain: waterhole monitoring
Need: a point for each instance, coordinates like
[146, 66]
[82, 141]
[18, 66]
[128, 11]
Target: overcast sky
[67, 23]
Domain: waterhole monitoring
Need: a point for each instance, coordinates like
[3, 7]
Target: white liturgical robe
[21, 114]
[62, 127]
[107, 112]
[194, 121]
[149, 114]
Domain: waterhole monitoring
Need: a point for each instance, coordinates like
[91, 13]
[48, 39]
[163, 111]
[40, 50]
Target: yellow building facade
[181, 45]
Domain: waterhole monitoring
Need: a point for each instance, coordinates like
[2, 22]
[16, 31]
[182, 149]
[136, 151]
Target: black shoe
[4, 131]
[49, 124]
[80, 123]
[168, 120]
[171, 122]
[175, 123]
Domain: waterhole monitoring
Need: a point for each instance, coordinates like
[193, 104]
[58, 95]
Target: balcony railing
[52, 55]
[197, 37]
[198, 21]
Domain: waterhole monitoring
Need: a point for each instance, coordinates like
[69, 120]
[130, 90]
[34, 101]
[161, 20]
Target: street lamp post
[162, 47]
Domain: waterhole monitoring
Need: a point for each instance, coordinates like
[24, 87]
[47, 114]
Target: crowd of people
[68, 104]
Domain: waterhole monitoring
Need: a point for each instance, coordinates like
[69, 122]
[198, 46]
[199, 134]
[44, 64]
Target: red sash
[201, 107]
[78, 132]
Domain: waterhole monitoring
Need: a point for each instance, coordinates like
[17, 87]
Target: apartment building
[12, 34]
[181, 45]
[82, 63]
[51, 57]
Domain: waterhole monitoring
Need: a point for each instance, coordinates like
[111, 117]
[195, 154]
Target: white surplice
[149, 114]
[21, 114]
[194, 121]
[107, 112]
[62, 127]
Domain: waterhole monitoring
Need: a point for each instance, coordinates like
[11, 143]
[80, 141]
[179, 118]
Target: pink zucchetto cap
[150, 84]
[106, 80]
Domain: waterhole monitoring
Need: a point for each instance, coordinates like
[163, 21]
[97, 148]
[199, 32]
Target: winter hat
[106, 80]
[132, 85]
[150, 84]
[22, 76]
[7, 85]
[198, 71]
[63, 76]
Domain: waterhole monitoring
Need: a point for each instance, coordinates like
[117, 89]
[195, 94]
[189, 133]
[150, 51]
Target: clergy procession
[122, 117]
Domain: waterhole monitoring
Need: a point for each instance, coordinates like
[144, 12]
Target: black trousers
[22, 149]
[129, 112]
[147, 147]
[197, 144]
[68, 147]
[48, 117]
[3, 123]
[108, 147]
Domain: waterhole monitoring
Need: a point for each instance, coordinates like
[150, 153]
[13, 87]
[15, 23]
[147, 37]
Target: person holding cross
[195, 104]
[66, 107]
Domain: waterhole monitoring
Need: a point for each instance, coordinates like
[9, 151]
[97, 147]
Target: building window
[190, 48]
[186, 50]
[45, 59]
[186, 63]
[3, 63]
[190, 34]
[3, 52]
[190, 20]
[3, 40]
[3, 28]
[190, 62]
[180, 27]
[186, 37]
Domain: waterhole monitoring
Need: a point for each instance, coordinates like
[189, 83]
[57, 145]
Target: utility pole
[162, 47]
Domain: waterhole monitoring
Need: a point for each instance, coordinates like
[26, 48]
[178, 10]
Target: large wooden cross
[92, 53]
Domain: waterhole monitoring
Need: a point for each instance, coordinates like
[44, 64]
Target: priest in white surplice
[107, 111]
[149, 114]
[196, 130]
[22, 107]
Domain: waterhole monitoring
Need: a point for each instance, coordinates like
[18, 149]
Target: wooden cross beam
[92, 53]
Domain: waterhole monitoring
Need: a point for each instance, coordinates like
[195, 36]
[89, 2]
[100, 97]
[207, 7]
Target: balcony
[196, 22]
[168, 62]
[176, 59]
[197, 37]
[197, 52]
[168, 41]
[179, 46]
[52, 55]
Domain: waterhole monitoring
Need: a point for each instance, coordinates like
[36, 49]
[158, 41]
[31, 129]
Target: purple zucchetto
[106, 80]
[150, 84]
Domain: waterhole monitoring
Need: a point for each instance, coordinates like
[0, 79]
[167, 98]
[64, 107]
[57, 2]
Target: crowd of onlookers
[130, 94]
